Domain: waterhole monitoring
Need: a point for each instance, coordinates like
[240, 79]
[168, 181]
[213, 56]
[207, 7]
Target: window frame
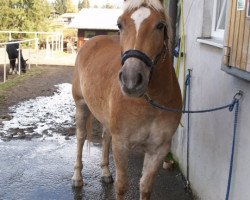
[216, 32]
[89, 34]
[248, 9]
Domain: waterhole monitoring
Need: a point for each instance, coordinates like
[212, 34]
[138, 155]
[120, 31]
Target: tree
[83, 4]
[70, 8]
[108, 5]
[64, 6]
[60, 6]
[24, 15]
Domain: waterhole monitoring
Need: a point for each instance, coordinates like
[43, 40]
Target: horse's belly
[99, 63]
[95, 99]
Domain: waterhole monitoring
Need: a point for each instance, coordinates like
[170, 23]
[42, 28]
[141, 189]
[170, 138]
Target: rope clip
[236, 99]
[238, 95]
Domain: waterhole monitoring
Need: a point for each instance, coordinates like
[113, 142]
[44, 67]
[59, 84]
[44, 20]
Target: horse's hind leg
[12, 66]
[106, 139]
[82, 115]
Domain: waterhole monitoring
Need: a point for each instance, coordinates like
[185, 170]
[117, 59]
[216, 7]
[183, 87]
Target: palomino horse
[112, 77]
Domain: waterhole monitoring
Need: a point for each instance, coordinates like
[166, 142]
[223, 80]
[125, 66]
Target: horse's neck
[162, 82]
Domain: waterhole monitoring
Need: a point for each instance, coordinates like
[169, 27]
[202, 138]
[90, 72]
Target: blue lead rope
[231, 106]
[236, 112]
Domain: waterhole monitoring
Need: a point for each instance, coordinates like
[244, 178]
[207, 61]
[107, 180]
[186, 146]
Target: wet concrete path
[37, 159]
[42, 169]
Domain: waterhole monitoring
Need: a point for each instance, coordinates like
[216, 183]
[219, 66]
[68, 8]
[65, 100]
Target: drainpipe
[173, 10]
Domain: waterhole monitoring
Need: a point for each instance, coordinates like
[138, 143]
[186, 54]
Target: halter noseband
[143, 57]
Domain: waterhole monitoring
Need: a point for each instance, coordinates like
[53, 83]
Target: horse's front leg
[12, 66]
[106, 139]
[152, 162]
[82, 114]
[120, 154]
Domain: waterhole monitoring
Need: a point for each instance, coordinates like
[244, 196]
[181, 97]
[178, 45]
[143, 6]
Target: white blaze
[139, 16]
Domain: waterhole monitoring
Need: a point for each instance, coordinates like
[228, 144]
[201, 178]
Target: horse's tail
[89, 126]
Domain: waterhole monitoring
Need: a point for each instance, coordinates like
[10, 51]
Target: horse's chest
[150, 133]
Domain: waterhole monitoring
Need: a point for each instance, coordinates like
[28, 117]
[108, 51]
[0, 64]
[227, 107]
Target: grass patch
[2, 98]
[15, 80]
[170, 157]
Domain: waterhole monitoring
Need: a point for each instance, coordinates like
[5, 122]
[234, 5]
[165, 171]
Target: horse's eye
[160, 26]
[119, 26]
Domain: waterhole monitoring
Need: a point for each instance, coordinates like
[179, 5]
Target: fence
[50, 41]
[28, 44]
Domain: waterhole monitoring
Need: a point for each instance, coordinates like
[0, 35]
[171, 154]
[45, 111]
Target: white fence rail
[49, 41]
[30, 41]
[51, 38]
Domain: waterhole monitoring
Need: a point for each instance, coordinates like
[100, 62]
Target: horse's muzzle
[134, 77]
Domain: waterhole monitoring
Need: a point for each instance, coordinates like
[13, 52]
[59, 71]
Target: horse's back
[12, 49]
[96, 72]
[97, 48]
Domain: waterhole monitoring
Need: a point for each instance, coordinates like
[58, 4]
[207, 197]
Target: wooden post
[237, 38]
[36, 42]
[56, 38]
[29, 54]
[226, 55]
[47, 46]
[19, 59]
[172, 10]
[4, 70]
[10, 36]
[62, 41]
[80, 40]
[52, 44]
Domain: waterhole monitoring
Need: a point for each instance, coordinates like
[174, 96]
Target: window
[248, 8]
[219, 18]
[89, 34]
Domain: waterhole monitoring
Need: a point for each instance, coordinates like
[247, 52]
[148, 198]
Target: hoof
[107, 179]
[77, 183]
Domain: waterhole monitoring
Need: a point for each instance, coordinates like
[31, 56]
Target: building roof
[96, 19]
[65, 18]
[68, 15]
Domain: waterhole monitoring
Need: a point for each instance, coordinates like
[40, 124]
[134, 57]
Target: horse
[112, 77]
[12, 51]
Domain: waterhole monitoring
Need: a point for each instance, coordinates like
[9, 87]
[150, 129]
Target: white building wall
[211, 133]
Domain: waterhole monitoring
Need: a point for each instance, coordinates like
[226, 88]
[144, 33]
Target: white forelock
[139, 16]
[131, 4]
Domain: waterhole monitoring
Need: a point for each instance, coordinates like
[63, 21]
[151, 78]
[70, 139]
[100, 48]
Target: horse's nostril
[139, 79]
[121, 77]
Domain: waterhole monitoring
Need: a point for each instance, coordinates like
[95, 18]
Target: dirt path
[41, 84]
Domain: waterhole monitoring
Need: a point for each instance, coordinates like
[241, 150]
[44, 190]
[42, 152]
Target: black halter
[143, 57]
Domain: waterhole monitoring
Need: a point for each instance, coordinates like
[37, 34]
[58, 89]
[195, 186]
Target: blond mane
[132, 4]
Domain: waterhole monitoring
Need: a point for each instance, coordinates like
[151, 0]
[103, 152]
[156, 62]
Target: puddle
[42, 116]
